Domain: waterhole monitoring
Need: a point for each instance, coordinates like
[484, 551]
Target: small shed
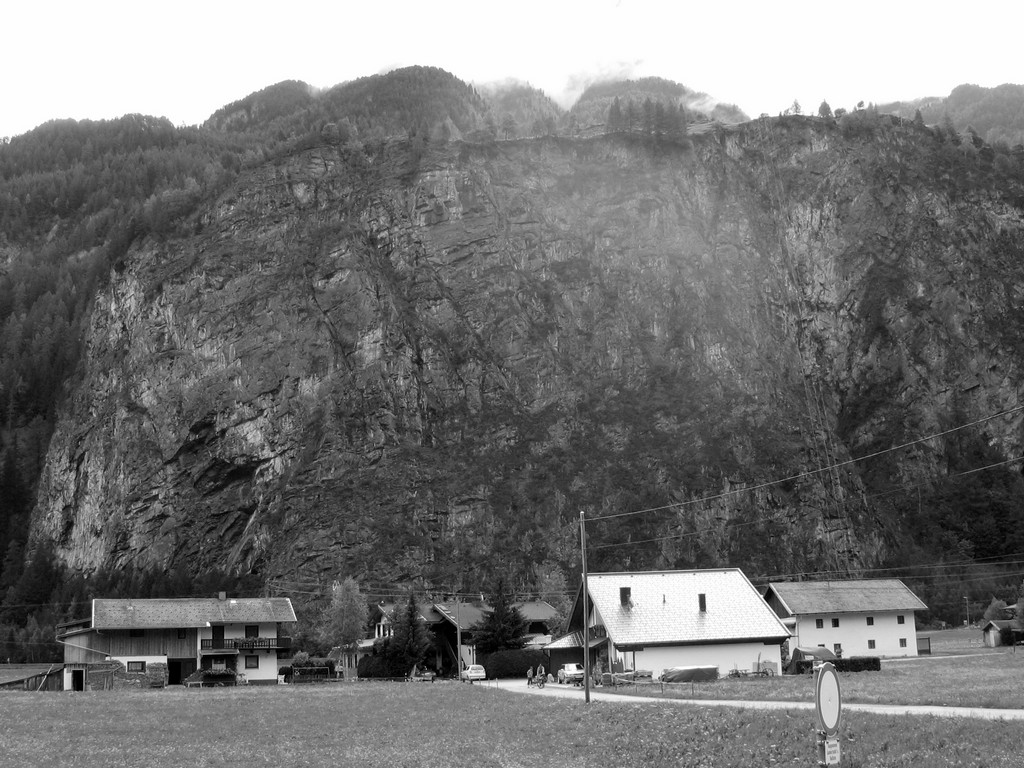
[998, 632]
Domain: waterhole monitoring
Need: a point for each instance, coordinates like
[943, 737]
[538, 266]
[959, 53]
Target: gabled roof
[848, 596]
[664, 608]
[189, 612]
[427, 611]
[572, 640]
[471, 614]
[537, 610]
[1000, 624]
[468, 614]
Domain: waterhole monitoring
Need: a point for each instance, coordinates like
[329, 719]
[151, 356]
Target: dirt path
[597, 694]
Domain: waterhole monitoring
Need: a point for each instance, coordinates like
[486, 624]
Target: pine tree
[632, 116]
[615, 116]
[410, 642]
[502, 628]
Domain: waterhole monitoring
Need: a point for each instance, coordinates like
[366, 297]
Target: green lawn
[451, 725]
[990, 679]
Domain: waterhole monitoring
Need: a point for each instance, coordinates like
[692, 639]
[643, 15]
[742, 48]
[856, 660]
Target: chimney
[624, 593]
[702, 602]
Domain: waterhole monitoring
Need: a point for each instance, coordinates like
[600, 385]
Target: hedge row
[379, 665]
[503, 664]
[852, 664]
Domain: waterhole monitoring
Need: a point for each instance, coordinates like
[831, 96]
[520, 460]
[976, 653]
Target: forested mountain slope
[994, 115]
[419, 362]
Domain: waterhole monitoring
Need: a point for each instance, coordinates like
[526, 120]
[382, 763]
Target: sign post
[828, 710]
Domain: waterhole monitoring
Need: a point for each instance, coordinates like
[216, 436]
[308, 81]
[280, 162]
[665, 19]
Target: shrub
[503, 664]
[211, 676]
[859, 664]
[379, 666]
[852, 664]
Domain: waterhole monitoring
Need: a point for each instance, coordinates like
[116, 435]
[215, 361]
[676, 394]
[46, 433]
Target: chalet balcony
[246, 643]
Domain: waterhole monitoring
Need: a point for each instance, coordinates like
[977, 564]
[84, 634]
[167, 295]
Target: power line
[809, 473]
[991, 562]
[734, 525]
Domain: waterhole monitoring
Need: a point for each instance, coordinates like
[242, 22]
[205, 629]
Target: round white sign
[828, 703]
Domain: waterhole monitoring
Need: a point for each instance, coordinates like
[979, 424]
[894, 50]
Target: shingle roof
[473, 613]
[848, 596]
[536, 610]
[191, 612]
[468, 614]
[664, 608]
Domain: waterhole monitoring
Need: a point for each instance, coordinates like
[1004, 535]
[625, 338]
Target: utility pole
[586, 620]
[458, 635]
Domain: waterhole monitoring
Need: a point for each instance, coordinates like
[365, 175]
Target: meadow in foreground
[451, 725]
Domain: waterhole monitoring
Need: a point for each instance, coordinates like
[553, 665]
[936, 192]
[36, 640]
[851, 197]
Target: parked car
[474, 672]
[570, 673]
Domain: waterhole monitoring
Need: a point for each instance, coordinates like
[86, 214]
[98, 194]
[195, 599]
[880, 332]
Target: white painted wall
[853, 633]
[267, 659]
[742, 656]
[268, 665]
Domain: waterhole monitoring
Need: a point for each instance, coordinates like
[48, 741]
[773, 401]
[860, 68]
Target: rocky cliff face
[423, 363]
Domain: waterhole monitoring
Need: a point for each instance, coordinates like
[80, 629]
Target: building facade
[855, 617]
[657, 620]
[159, 642]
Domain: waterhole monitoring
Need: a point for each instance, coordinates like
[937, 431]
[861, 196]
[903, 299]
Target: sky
[184, 60]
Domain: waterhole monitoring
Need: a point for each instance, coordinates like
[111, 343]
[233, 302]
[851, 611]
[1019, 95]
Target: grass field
[453, 725]
[991, 679]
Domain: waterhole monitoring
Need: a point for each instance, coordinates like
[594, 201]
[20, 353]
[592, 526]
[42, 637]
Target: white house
[855, 617]
[657, 620]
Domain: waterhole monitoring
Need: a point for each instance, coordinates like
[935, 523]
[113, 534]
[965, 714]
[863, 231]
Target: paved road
[555, 690]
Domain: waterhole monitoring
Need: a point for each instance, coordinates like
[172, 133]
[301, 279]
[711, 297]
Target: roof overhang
[694, 643]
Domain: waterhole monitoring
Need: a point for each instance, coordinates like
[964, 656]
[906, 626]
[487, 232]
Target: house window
[819, 623]
[218, 663]
[136, 666]
[871, 621]
[252, 662]
[835, 623]
[136, 633]
[182, 634]
[252, 630]
[899, 620]
[837, 648]
[871, 645]
[903, 642]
